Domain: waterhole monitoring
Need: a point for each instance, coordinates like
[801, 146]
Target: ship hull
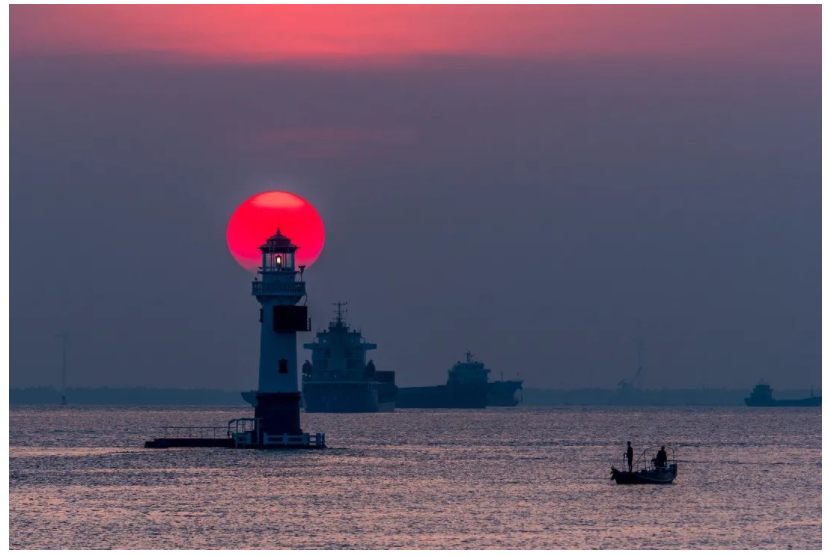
[345, 397]
[250, 397]
[495, 394]
[505, 393]
[805, 402]
[441, 397]
[387, 406]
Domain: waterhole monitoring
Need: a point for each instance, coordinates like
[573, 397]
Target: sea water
[496, 478]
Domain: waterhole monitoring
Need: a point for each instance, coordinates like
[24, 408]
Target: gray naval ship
[338, 379]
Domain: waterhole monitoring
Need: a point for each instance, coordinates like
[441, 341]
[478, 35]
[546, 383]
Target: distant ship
[467, 386]
[338, 379]
[763, 396]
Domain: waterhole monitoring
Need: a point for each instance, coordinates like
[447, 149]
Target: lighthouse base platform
[190, 443]
[245, 433]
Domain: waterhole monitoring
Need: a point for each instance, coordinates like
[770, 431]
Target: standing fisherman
[629, 457]
[661, 459]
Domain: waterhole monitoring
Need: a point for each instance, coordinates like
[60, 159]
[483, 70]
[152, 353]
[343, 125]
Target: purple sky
[541, 186]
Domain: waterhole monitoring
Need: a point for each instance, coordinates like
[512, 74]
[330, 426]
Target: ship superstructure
[338, 379]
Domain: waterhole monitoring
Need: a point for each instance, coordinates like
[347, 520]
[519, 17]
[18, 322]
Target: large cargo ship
[763, 396]
[467, 386]
[338, 379]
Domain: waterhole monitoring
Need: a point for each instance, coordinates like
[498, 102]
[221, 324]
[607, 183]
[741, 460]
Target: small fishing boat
[648, 472]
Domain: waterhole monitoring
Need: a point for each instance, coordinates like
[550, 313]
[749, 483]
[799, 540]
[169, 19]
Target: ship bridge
[338, 353]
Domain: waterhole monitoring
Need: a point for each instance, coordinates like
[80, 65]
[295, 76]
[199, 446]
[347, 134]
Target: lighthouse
[279, 288]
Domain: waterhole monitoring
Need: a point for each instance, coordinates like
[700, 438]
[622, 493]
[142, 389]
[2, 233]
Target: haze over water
[516, 478]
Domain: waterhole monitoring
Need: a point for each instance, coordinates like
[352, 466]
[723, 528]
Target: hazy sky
[540, 185]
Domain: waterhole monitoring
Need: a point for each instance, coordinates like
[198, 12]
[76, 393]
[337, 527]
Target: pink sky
[750, 34]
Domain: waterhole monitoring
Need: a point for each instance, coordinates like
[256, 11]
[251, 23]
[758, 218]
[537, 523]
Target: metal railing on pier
[304, 439]
[239, 433]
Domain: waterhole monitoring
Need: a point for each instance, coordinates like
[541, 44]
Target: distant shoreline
[137, 396]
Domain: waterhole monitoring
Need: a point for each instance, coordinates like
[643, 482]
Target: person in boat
[661, 459]
[629, 457]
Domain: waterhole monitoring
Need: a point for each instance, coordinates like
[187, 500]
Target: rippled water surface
[495, 478]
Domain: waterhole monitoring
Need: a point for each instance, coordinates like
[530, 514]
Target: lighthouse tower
[279, 287]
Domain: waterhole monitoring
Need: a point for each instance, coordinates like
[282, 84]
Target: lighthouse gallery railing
[278, 287]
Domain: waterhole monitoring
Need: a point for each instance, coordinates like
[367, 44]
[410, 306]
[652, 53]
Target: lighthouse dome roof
[278, 242]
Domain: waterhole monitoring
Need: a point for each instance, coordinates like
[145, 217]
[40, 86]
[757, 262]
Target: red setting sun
[258, 218]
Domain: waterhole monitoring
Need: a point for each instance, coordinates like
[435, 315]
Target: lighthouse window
[283, 366]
